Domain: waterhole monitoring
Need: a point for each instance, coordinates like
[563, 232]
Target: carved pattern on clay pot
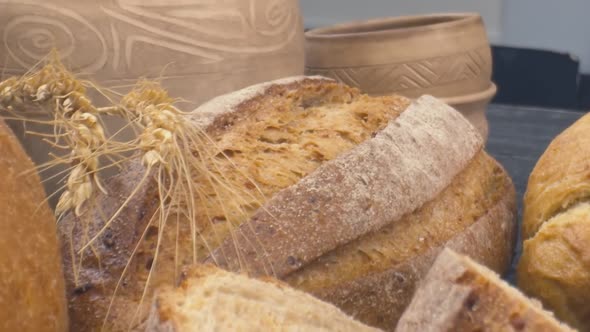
[128, 39]
[198, 49]
[205, 32]
[416, 75]
[33, 28]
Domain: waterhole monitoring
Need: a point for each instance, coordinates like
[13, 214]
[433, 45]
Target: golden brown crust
[560, 178]
[32, 296]
[401, 168]
[555, 266]
[379, 299]
[91, 288]
[472, 193]
[430, 148]
[458, 294]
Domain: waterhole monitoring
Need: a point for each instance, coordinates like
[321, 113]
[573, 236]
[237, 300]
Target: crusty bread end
[458, 294]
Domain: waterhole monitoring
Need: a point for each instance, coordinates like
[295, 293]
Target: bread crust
[417, 156]
[381, 298]
[459, 294]
[560, 177]
[211, 299]
[554, 266]
[32, 295]
[404, 166]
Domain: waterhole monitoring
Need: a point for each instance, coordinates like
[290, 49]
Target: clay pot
[444, 55]
[197, 49]
[473, 106]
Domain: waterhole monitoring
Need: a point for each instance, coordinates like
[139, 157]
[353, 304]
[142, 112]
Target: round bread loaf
[345, 196]
[555, 263]
[32, 292]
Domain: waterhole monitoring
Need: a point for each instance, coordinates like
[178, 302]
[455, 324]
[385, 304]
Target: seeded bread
[459, 294]
[32, 294]
[555, 264]
[346, 192]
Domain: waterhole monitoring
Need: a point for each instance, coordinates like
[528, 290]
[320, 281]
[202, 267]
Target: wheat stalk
[173, 149]
[75, 121]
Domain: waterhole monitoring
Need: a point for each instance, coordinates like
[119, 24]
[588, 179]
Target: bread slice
[32, 291]
[458, 294]
[210, 299]
[354, 188]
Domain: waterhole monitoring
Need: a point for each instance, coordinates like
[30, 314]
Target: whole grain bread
[32, 291]
[211, 299]
[459, 294]
[555, 263]
[346, 190]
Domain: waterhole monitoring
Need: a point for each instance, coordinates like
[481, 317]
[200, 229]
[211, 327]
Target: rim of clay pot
[473, 97]
[393, 25]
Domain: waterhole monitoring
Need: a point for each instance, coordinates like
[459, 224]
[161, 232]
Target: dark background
[541, 78]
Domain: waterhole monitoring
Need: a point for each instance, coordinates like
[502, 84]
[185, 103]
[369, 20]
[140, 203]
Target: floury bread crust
[404, 166]
[379, 177]
[385, 294]
[32, 295]
[211, 299]
[459, 294]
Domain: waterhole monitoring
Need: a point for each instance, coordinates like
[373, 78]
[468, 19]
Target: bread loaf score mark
[554, 263]
[275, 134]
[356, 193]
[374, 276]
[560, 178]
[476, 191]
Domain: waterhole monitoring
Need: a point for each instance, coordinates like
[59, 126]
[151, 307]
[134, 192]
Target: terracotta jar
[198, 49]
[473, 106]
[444, 55]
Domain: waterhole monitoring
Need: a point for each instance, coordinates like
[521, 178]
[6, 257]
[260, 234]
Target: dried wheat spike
[55, 89]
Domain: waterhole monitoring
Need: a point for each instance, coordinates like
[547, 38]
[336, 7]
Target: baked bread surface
[32, 291]
[560, 177]
[555, 263]
[211, 299]
[323, 169]
[459, 294]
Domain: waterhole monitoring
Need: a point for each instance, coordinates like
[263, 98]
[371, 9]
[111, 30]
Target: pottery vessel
[444, 55]
[198, 49]
[473, 106]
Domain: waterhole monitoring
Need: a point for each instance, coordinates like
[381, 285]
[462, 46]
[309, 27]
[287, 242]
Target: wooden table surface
[518, 137]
